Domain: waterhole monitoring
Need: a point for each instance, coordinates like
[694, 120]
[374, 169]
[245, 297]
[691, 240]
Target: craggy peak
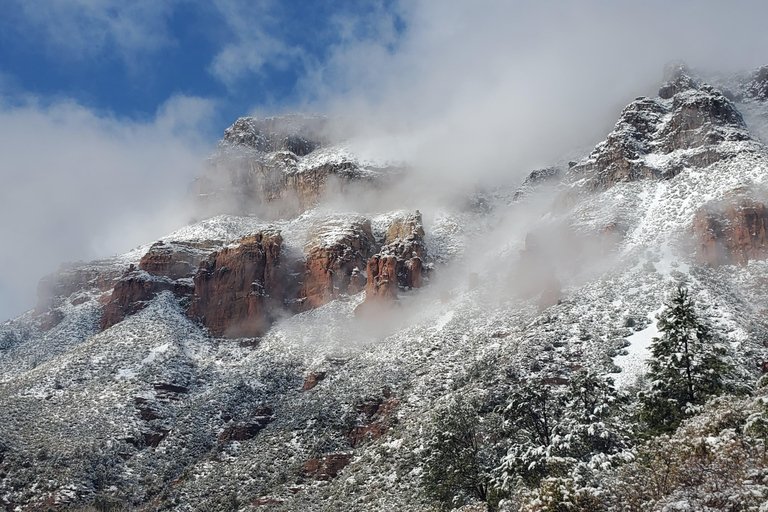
[391, 306]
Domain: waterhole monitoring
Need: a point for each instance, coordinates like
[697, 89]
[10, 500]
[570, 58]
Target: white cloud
[490, 88]
[78, 184]
[251, 26]
[85, 28]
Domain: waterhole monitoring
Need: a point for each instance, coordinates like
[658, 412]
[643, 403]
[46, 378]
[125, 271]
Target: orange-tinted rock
[375, 416]
[313, 379]
[731, 233]
[132, 293]
[240, 290]
[399, 265]
[333, 264]
[327, 467]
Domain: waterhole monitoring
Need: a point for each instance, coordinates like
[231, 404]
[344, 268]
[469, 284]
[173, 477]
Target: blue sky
[128, 58]
[109, 107]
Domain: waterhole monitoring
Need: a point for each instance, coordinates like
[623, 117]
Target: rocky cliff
[239, 291]
[691, 124]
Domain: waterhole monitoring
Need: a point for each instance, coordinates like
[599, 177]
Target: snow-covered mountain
[289, 354]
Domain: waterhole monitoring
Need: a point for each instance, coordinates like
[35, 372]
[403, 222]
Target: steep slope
[320, 408]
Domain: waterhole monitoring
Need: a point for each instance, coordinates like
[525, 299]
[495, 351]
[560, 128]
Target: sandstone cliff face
[334, 262]
[731, 233]
[174, 259]
[239, 291]
[657, 138]
[167, 266]
[399, 264]
[132, 293]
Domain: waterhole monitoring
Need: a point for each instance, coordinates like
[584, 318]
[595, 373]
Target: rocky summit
[298, 351]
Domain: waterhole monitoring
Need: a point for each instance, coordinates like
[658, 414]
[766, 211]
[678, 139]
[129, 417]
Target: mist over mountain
[383, 256]
[340, 327]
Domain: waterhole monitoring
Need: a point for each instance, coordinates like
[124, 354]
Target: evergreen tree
[554, 430]
[462, 449]
[686, 367]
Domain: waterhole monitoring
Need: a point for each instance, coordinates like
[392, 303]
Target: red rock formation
[239, 290]
[731, 233]
[313, 379]
[172, 259]
[132, 293]
[327, 467]
[333, 264]
[399, 265]
[374, 420]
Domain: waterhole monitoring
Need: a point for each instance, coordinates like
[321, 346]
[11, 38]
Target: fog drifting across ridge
[491, 88]
[469, 95]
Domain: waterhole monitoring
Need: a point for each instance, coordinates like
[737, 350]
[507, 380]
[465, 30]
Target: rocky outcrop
[327, 467]
[336, 255]
[277, 167]
[167, 266]
[755, 86]
[134, 291]
[657, 138]
[536, 180]
[731, 232]
[312, 380]
[239, 291]
[174, 259]
[300, 134]
[245, 430]
[398, 266]
[375, 418]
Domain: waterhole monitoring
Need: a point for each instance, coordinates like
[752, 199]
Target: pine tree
[686, 367]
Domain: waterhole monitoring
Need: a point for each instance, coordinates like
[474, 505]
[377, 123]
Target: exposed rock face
[756, 85]
[299, 134]
[247, 430]
[277, 167]
[312, 380]
[132, 293]
[167, 266]
[172, 259]
[239, 291]
[327, 467]
[336, 255]
[535, 180]
[375, 417]
[657, 138]
[732, 233]
[399, 264]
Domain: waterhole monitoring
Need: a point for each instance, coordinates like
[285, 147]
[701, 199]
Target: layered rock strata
[239, 290]
[398, 266]
[335, 260]
[657, 138]
[731, 232]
